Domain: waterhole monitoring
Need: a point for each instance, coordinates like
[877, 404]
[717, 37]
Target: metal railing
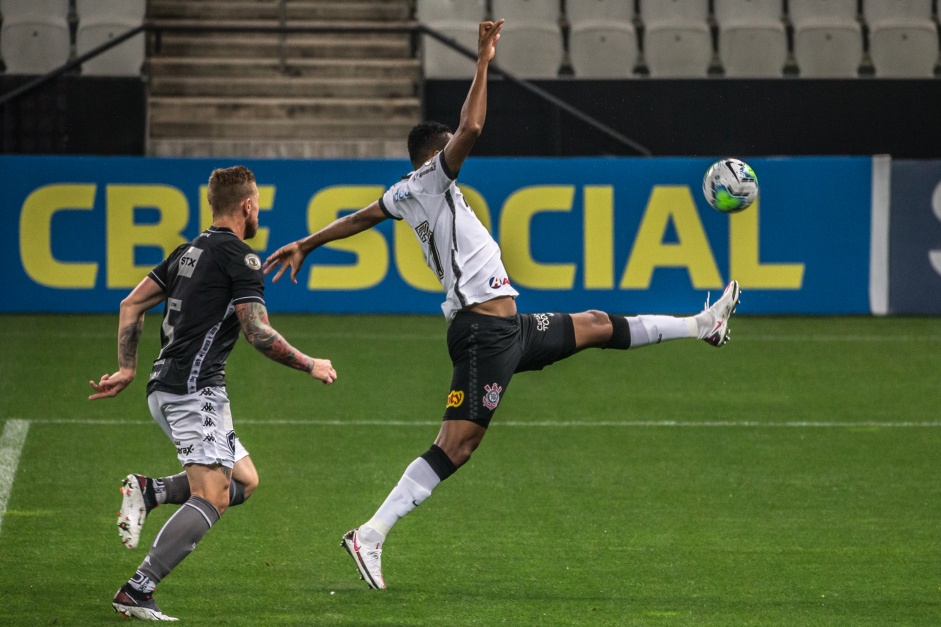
[283, 31]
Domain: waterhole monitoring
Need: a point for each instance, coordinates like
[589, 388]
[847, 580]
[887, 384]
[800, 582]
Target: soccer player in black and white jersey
[211, 288]
[488, 340]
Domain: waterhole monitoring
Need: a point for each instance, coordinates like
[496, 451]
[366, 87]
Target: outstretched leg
[601, 330]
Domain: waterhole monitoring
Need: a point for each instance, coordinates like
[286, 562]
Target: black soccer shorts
[487, 350]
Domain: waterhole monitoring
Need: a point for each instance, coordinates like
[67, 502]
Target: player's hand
[488, 33]
[323, 370]
[289, 256]
[110, 384]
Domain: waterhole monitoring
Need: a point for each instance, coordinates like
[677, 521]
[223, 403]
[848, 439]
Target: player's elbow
[472, 128]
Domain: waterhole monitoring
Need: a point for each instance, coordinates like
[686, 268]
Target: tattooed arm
[258, 331]
[130, 325]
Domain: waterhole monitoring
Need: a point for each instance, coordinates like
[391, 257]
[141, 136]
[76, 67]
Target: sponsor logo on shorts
[184, 450]
[455, 398]
[492, 396]
[496, 282]
[542, 321]
[252, 261]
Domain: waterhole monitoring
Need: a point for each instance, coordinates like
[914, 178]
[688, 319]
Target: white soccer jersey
[457, 247]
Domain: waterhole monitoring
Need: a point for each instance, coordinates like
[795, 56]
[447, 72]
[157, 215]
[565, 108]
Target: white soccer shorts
[199, 425]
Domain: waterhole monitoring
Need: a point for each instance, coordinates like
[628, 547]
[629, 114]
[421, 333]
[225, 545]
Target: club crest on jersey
[492, 396]
[455, 398]
[496, 282]
[252, 261]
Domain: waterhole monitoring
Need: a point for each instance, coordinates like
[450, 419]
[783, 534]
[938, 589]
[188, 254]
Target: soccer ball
[730, 185]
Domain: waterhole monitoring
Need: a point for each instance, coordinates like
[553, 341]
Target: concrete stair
[334, 95]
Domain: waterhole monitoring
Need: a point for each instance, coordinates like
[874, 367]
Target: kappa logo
[496, 283]
[252, 261]
[492, 396]
[455, 398]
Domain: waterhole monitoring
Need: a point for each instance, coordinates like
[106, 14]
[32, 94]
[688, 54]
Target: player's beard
[251, 228]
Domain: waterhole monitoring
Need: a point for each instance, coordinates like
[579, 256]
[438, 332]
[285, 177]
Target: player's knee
[599, 320]
[220, 502]
[249, 483]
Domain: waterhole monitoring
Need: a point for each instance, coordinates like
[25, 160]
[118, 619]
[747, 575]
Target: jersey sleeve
[161, 274]
[243, 267]
[388, 200]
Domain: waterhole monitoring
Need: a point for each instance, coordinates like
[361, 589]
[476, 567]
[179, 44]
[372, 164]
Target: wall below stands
[75, 115]
[714, 116]
[683, 117]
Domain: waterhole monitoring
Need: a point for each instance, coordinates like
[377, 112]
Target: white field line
[11, 445]
[796, 424]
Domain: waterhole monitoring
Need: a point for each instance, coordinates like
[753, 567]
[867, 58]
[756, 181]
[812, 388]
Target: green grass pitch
[790, 478]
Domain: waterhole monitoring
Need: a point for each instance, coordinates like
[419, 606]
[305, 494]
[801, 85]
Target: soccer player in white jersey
[487, 339]
[212, 288]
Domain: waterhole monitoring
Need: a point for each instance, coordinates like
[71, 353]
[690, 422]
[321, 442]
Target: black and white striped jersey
[458, 249]
[203, 281]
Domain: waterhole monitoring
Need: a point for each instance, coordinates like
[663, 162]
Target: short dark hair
[228, 187]
[424, 139]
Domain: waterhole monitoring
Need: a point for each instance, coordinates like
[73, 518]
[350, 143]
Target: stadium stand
[752, 38]
[828, 40]
[531, 44]
[602, 38]
[457, 19]
[102, 20]
[903, 38]
[677, 37]
[34, 38]
[335, 95]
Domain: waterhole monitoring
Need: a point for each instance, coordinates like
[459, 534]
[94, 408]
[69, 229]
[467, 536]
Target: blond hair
[228, 187]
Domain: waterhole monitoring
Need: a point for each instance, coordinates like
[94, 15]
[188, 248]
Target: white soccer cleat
[133, 604]
[133, 510]
[721, 311]
[368, 559]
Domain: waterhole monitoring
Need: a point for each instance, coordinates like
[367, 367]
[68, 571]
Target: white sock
[414, 487]
[649, 329]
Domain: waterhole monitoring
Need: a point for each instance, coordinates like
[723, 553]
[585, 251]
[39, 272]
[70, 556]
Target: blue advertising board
[915, 238]
[621, 234]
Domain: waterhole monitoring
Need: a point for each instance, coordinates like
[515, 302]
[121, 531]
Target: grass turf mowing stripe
[795, 424]
[11, 445]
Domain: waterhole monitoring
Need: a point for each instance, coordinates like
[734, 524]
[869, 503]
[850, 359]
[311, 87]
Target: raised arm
[292, 255]
[130, 325]
[474, 110]
[258, 331]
